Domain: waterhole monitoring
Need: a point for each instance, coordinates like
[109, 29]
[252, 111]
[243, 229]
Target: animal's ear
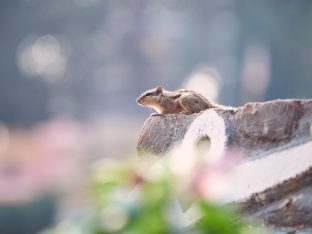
[159, 89]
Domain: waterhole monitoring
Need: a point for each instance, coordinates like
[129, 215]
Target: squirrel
[182, 101]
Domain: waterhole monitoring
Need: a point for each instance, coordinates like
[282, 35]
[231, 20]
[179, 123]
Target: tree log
[273, 137]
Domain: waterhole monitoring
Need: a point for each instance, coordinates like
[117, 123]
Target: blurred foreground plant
[128, 199]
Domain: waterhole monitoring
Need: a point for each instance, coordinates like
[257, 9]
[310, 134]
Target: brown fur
[179, 101]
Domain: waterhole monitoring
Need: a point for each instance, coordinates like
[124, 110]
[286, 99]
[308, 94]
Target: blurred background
[70, 72]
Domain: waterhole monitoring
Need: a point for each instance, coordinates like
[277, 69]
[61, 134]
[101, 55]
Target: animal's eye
[148, 94]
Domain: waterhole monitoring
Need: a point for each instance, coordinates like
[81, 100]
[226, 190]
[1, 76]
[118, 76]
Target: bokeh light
[43, 57]
[114, 217]
[206, 81]
[256, 72]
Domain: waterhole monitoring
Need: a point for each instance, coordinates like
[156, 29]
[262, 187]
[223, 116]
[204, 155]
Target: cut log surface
[275, 140]
[159, 133]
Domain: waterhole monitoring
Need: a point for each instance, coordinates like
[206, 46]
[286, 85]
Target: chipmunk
[180, 101]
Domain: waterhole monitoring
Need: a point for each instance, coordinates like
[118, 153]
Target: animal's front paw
[156, 114]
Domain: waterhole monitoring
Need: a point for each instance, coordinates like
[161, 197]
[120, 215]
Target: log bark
[259, 131]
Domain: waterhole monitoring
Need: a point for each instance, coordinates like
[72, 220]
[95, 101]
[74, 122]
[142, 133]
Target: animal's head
[150, 96]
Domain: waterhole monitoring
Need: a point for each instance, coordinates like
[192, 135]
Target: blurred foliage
[124, 199]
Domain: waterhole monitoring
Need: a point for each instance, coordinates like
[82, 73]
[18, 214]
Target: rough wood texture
[288, 205]
[256, 130]
[159, 133]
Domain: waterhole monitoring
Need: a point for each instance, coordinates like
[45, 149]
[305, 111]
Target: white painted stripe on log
[210, 124]
[256, 176]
